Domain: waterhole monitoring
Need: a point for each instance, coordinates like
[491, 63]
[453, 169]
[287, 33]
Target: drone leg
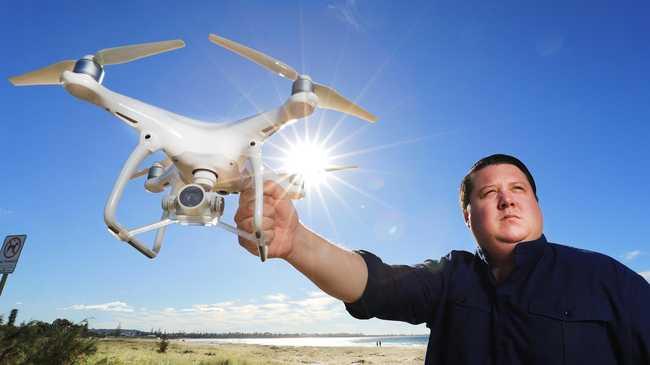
[130, 166]
[236, 231]
[258, 183]
[160, 234]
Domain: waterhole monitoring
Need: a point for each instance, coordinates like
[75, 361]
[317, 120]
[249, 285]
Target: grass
[123, 352]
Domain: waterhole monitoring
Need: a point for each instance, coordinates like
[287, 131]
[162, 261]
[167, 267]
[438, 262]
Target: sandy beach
[139, 351]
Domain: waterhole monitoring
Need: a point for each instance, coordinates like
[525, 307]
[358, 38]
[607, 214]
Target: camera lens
[191, 196]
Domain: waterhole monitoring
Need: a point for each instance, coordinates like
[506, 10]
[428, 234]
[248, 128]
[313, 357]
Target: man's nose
[506, 200]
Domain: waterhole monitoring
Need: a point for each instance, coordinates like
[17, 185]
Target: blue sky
[562, 85]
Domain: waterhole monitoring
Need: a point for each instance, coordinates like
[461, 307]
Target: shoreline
[137, 351]
[307, 341]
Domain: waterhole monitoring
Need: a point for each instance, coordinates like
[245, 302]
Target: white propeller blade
[328, 98]
[260, 58]
[124, 54]
[328, 168]
[50, 75]
[332, 168]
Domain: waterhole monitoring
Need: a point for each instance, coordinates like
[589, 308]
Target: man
[519, 299]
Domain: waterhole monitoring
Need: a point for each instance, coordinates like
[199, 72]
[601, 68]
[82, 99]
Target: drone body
[204, 160]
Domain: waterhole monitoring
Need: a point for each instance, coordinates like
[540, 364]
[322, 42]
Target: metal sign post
[9, 255]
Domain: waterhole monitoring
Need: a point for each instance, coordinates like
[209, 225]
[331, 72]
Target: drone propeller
[328, 98]
[124, 54]
[51, 75]
[332, 168]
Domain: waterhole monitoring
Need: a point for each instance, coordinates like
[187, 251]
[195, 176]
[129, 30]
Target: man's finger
[247, 224]
[248, 211]
[249, 246]
[271, 188]
[275, 190]
[248, 198]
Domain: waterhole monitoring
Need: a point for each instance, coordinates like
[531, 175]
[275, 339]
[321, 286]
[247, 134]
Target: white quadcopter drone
[204, 160]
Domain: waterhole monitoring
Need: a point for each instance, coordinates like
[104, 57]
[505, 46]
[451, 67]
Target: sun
[310, 160]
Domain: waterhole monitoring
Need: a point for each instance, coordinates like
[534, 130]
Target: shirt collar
[526, 253]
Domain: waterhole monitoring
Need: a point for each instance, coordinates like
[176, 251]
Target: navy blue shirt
[560, 305]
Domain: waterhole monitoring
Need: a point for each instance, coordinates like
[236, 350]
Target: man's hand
[338, 272]
[279, 223]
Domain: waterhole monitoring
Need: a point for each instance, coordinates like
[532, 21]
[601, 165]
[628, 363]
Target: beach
[144, 351]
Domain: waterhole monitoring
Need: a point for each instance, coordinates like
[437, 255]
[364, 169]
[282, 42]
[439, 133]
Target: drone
[204, 161]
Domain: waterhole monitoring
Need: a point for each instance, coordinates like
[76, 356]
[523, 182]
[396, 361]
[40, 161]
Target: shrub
[36, 342]
[163, 344]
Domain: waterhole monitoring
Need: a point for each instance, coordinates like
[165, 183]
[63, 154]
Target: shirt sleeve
[399, 292]
[638, 295]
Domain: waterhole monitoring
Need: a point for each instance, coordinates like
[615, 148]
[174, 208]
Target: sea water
[370, 341]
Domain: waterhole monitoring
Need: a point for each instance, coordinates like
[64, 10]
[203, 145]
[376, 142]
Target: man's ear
[466, 216]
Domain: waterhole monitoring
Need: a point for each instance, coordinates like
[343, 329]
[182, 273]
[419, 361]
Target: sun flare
[308, 159]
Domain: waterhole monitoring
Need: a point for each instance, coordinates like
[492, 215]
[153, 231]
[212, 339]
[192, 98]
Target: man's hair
[467, 185]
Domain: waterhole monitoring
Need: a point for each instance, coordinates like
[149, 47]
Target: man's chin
[512, 238]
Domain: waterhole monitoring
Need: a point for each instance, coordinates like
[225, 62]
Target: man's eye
[486, 193]
[521, 188]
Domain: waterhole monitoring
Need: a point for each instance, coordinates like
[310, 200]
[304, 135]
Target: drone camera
[191, 196]
[194, 206]
[88, 66]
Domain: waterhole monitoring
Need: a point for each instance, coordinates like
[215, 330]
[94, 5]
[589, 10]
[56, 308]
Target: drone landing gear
[192, 206]
[137, 156]
[258, 185]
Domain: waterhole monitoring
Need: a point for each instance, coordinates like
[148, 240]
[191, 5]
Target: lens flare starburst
[310, 160]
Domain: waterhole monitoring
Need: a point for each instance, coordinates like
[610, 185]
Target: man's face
[503, 210]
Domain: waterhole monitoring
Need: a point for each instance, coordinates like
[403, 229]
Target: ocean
[386, 341]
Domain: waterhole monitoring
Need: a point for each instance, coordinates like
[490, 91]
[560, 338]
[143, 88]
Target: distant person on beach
[519, 299]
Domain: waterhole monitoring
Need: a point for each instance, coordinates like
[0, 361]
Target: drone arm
[146, 147]
[266, 124]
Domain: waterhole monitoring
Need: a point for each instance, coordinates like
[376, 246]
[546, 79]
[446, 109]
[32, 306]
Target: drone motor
[302, 84]
[88, 66]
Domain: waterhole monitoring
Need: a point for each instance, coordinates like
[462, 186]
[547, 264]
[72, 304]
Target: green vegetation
[61, 342]
[163, 344]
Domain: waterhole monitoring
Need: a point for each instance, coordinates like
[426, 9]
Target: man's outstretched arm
[340, 273]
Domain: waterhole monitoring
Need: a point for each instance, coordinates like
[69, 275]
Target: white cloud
[106, 307]
[276, 297]
[346, 11]
[205, 308]
[632, 255]
[315, 300]
[646, 275]
[274, 313]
